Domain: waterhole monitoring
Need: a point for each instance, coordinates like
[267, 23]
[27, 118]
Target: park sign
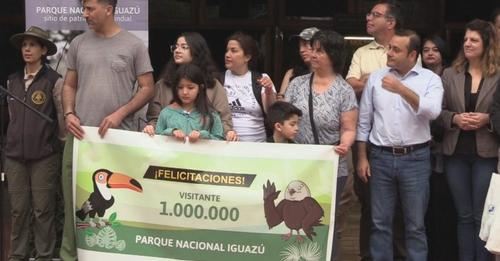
[131, 15]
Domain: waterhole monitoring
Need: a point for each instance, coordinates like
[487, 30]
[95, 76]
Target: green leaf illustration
[88, 232]
[90, 240]
[120, 245]
[112, 217]
[106, 238]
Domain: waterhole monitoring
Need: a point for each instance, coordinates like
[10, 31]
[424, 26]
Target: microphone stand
[9, 94]
[4, 93]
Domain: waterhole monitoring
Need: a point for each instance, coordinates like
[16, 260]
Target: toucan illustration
[101, 199]
[298, 209]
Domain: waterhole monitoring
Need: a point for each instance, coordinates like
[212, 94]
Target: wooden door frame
[4, 221]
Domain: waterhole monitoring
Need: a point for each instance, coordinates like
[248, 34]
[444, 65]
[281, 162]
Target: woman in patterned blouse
[329, 99]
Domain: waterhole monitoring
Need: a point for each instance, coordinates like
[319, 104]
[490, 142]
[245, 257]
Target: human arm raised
[428, 104]
[355, 77]
[284, 84]
[269, 93]
[390, 83]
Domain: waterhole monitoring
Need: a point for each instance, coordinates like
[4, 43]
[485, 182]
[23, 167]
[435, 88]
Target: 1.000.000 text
[199, 212]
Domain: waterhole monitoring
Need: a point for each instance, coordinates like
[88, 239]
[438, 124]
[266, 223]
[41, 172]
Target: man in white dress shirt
[396, 108]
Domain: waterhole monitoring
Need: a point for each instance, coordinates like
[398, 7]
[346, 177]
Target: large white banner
[156, 198]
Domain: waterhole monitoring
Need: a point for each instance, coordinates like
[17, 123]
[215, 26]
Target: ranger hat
[39, 34]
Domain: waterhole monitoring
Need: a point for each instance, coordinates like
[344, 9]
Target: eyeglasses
[376, 15]
[184, 47]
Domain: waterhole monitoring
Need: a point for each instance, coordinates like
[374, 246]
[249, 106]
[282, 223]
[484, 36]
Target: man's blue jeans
[409, 175]
[469, 179]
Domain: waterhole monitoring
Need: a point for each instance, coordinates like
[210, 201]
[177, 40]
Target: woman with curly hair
[190, 47]
[469, 147]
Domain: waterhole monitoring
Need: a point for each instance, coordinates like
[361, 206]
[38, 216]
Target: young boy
[284, 118]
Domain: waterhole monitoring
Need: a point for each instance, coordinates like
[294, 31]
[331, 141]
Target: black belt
[403, 150]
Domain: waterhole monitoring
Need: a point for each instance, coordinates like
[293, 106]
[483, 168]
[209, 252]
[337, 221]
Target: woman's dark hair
[194, 74]
[299, 67]
[249, 46]
[202, 57]
[334, 46]
[442, 48]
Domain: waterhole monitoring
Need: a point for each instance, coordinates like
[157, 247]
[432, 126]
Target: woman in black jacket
[32, 152]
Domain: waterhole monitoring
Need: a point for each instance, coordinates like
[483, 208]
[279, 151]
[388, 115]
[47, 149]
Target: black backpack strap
[223, 78]
[257, 89]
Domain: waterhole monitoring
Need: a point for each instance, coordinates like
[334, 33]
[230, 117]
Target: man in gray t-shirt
[109, 78]
[107, 70]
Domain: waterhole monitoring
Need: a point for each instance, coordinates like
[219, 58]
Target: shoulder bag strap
[311, 109]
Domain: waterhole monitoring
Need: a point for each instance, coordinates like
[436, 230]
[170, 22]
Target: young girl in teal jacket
[190, 116]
